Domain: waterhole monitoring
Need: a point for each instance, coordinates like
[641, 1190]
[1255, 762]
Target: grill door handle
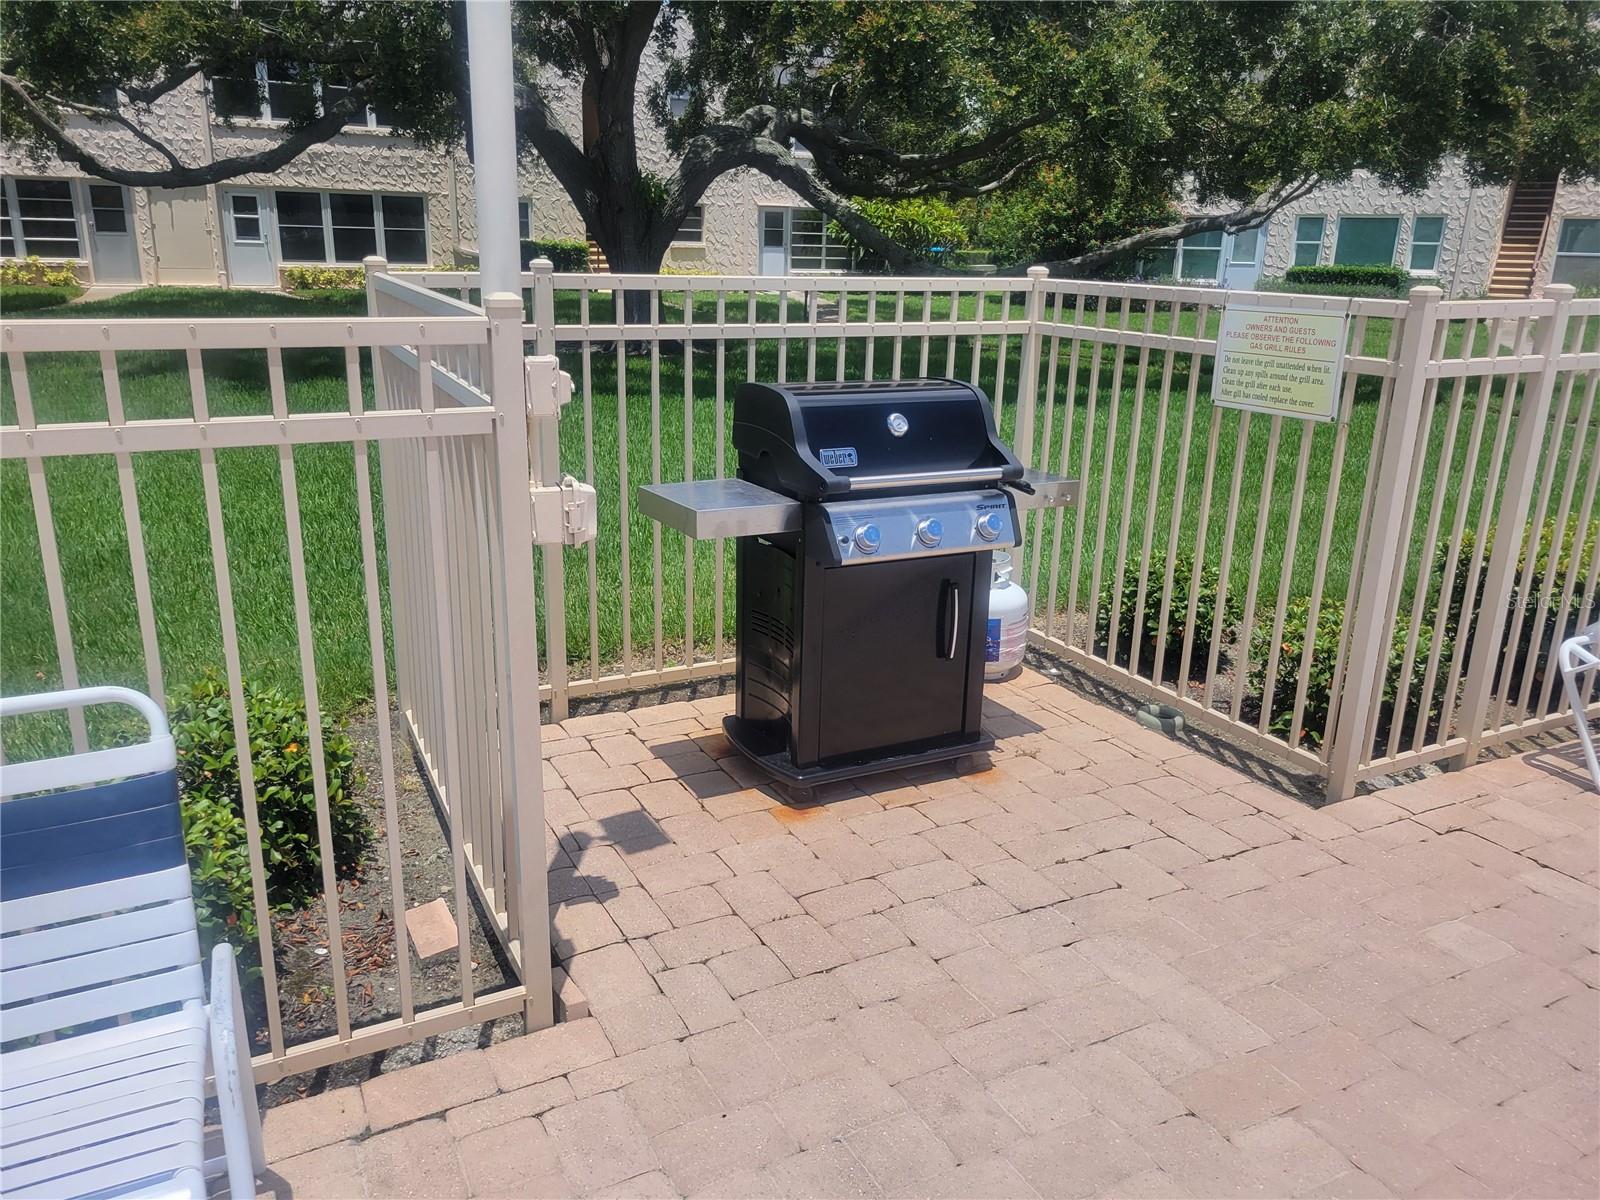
[954, 609]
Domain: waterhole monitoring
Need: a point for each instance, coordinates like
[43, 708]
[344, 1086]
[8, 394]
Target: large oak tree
[1240, 107]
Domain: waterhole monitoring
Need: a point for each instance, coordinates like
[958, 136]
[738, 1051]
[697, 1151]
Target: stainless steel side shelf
[719, 508]
[1049, 491]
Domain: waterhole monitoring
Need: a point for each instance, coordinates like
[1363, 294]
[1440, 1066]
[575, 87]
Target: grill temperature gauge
[989, 526]
[868, 538]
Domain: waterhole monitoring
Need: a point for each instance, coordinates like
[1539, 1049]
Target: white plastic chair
[1579, 657]
[106, 1038]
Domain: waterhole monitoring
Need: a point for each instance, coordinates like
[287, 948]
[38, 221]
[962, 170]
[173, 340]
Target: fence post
[1028, 397]
[1028, 376]
[1362, 684]
[545, 436]
[520, 743]
[1532, 423]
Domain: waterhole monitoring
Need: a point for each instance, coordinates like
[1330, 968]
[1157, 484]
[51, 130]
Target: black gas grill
[867, 514]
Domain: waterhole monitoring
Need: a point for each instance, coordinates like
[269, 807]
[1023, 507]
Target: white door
[112, 253]
[1243, 256]
[774, 241]
[245, 222]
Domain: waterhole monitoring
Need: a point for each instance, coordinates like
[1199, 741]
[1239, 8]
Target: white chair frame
[1579, 659]
[87, 954]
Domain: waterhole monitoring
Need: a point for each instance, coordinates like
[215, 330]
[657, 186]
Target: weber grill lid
[817, 441]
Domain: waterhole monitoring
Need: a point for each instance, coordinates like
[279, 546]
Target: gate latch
[564, 513]
[548, 387]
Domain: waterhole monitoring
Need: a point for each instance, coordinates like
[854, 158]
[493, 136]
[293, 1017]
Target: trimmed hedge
[33, 271]
[1269, 283]
[318, 279]
[1397, 279]
[566, 254]
[16, 298]
[1183, 581]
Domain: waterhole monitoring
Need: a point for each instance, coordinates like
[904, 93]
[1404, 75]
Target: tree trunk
[631, 250]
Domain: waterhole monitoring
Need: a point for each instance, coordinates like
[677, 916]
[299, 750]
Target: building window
[355, 224]
[107, 209]
[1427, 233]
[811, 246]
[301, 235]
[524, 220]
[236, 96]
[1308, 240]
[693, 228]
[1245, 244]
[1366, 241]
[245, 208]
[281, 91]
[41, 218]
[1197, 257]
[8, 242]
[1578, 253]
[1200, 255]
[405, 229]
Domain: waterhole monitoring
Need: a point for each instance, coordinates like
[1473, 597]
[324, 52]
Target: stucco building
[368, 191]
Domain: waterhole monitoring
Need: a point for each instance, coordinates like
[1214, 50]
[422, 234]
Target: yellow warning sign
[1280, 361]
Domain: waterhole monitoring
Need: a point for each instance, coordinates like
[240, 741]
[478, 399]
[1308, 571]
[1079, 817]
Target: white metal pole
[494, 145]
[500, 277]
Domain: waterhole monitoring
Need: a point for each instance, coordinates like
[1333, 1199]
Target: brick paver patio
[1095, 963]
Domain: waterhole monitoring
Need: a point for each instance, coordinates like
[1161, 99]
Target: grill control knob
[868, 539]
[990, 526]
[930, 531]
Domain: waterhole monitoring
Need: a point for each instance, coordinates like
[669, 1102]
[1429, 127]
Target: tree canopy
[1109, 108]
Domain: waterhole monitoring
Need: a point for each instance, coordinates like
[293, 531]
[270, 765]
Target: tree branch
[812, 135]
[774, 160]
[856, 185]
[262, 162]
[571, 167]
[1252, 216]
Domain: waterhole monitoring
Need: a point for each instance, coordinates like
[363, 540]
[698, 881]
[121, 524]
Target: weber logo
[839, 456]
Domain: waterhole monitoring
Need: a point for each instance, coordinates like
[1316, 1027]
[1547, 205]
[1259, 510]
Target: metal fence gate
[207, 410]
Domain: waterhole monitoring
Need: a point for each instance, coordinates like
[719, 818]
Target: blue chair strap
[90, 835]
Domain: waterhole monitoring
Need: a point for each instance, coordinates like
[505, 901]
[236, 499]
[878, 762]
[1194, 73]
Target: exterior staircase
[1527, 215]
[597, 259]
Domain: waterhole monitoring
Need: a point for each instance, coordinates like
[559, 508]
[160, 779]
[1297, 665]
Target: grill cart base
[771, 755]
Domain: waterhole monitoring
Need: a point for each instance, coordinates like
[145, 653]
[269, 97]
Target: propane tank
[1007, 634]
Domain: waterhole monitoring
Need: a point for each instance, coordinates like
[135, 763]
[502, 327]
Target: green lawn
[88, 517]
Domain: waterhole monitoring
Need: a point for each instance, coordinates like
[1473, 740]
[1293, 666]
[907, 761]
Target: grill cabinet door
[895, 653]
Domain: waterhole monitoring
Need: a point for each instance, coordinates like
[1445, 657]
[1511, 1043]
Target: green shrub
[931, 229]
[566, 254]
[1550, 568]
[1274, 283]
[1177, 616]
[1397, 279]
[34, 271]
[27, 297]
[213, 808]
[1320, 670]
[317, 279]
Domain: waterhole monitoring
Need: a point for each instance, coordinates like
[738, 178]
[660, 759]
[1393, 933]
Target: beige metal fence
[1342, 595]
[451, 454]
[1332, 594]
